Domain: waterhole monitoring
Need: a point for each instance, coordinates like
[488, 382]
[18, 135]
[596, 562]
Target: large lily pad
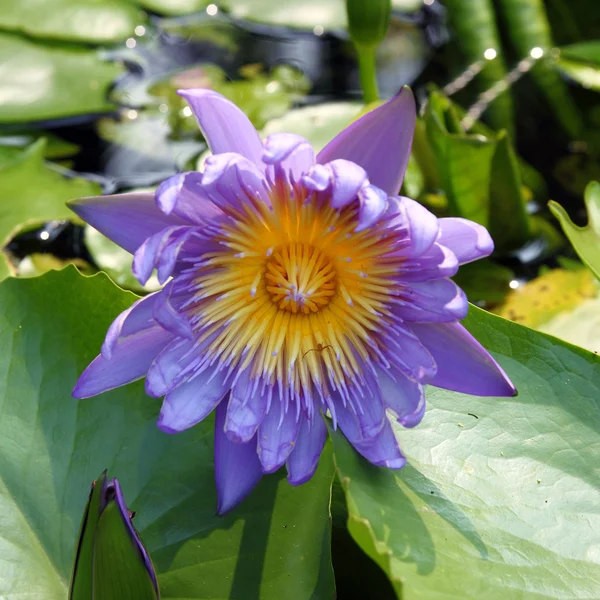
[174, 7]
[49, 82]
[32, 193]
[328, 14]
[585, 240]
[500, 496]
[275, 545]
[95, 21]
[318, 124]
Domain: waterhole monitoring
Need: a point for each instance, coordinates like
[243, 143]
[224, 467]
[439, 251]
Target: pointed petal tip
[79, 392]
[165, 428]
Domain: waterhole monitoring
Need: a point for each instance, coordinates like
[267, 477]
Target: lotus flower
[295, 287]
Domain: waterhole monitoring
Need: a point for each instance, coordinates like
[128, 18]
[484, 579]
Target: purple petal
[130, 359]
[422, 225]
[237, 467]
[384, 450]
[231, 181]
[303, 461]
[182, 195]
[464, 365]
[380, 142]
[245, 412]
[289, 153]
[436, 263]
[168, 316]
[403, 395]
[277, 435]
[137, 317]
[161, 251]
[127, 219]
[363, 422]
[373, 203]
[192, 401]
[341, 177]
[169, 367]
[437, 300]
[468, 240]
[406, 352]
[225, 127]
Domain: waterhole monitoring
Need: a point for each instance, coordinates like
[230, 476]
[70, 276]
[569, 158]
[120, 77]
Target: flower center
[300, 278]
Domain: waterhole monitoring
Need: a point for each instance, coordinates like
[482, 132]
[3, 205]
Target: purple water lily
[295, 286]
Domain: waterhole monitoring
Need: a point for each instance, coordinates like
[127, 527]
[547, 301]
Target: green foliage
[581, 62]
[585, 240]
[474, 25]
[109, 563]
[499, 498]
[527, 26]
[33, 193]
[479, 175]
[174, 7]
[115, 261]
[274, 546]
[68, 80]
[319, 124]
[93, 21]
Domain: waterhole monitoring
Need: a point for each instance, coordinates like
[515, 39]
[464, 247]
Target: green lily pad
[41, 81]
[500, 496]
[580, 326]
[328, 14]
[585, 240]
[6, 269]
[275, 545]
[37, 264]
[33, 193]
[554, 292]
[318, 124]
[56, 147]
[93, 21]
[174, 7]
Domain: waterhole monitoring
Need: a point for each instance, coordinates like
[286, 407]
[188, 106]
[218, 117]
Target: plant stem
[367, 72]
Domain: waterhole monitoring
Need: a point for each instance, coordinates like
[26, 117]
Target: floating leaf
[174, 7]
[580, 326]
[585, 240]
[55, 148]
[318, 124]
[41, 81]
[94, 21]
[33, 193]
[558, 290]
[329, 14]
[500, 495]
[275, 545]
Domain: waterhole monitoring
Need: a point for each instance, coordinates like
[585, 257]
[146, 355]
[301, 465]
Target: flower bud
[368, 21]
[110, 562]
